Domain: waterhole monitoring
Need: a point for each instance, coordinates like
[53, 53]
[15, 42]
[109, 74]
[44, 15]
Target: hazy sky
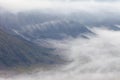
[37, 4]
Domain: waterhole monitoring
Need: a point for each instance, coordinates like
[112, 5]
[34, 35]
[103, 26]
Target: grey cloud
[97, 57]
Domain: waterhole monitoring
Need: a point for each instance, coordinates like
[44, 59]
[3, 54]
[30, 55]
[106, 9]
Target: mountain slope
[34, 25]
[57, 29]
[17, 52]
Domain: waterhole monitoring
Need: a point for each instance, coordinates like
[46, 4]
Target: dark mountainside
[20, 32]
[17, 52]
[34, 25]
[41, 25]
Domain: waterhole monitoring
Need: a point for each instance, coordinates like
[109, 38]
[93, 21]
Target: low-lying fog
[96, 58]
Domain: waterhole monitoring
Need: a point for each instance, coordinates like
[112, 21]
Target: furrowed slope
[17, 52]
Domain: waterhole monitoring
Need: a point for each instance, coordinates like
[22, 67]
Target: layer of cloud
[96, 58]
[99, 53]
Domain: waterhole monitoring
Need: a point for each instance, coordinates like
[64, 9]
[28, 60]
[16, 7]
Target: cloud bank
[96, 58]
